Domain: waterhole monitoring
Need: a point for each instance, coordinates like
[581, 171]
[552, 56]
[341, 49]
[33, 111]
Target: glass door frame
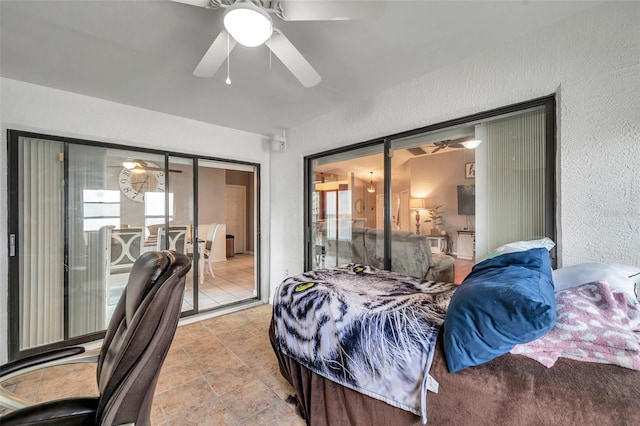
[13, 233]
[549, 104]
[308, 182]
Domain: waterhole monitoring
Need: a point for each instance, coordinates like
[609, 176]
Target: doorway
[237, 216]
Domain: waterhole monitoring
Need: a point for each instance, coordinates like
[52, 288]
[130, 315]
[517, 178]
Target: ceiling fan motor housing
[248, 24]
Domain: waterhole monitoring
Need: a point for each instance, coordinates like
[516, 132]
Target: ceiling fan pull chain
[270, 52]
[228, 80]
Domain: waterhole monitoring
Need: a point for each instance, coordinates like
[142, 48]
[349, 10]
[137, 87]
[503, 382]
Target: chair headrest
[149, 267]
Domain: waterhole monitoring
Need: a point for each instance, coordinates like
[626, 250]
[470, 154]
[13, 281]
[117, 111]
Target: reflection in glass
[345, 208]
[226, 234]
[107, 229]
[460, 191]
[84, 213]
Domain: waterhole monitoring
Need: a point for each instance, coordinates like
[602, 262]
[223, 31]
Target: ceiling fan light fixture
[471, 144]
[135, 166]
[248, 24]
[129, 165]
[371, 189]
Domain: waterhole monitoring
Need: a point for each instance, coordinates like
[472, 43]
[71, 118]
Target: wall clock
[135, 183]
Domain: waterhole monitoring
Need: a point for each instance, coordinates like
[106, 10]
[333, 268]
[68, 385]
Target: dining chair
[177, 238]
[209, 247]
[124, 246]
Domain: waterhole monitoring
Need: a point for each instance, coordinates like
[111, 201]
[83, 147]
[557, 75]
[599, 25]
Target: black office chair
[134, 348]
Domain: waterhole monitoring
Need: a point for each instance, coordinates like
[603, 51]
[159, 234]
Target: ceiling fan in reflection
[141, 166]
[468, 142]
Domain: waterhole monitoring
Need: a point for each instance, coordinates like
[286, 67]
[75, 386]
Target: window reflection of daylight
[101, 207]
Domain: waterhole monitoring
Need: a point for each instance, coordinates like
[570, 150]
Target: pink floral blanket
[594, 325]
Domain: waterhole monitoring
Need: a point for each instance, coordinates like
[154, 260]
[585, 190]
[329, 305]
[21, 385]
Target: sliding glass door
[484, 181]
[346, 202]
[454, 192]
[81, 213]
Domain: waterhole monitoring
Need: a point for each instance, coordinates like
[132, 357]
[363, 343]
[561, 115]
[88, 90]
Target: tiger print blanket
[371, 330]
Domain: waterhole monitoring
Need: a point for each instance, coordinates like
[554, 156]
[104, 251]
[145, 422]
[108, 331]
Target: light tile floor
[220, 371]
[234, 281]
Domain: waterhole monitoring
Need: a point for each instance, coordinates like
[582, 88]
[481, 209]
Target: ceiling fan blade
[436, 150]
[199, 3]
[293, 59]
[215, 56]
[152, 169]
[319, 10]
[158, 169]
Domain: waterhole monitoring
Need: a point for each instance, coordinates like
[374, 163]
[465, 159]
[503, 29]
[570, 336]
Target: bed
[509, 388]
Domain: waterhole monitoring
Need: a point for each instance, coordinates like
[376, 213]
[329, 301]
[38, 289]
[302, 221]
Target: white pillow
[622, 278]
[522, 246]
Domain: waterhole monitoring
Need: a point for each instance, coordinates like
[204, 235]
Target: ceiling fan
[141, 166]
[468, 142]
[248, 22]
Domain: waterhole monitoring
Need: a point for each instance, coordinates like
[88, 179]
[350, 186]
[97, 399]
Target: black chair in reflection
[128, 365]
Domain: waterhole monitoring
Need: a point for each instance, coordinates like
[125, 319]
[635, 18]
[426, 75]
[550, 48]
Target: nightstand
[438, 244]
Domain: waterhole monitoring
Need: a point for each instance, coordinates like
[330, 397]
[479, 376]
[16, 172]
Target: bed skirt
[510, 390]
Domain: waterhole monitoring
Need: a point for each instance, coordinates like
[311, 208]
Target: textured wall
[591, 61]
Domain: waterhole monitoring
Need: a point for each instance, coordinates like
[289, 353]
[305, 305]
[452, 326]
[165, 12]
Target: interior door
[395, 211]
[237, 216]
[404, 211]
[380, 211]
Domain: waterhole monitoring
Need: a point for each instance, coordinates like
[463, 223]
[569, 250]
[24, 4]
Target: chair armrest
[442, 268]
[71, 355]
[68, 411]
[33, 360]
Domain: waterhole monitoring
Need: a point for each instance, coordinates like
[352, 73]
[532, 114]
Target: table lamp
[417, 204]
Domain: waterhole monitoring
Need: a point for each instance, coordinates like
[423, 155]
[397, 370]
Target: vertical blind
[42, 251]
[515, 178]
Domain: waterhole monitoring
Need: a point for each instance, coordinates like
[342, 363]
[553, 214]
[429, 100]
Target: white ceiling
[143, 53]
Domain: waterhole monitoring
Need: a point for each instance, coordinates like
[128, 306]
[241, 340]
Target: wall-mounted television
[467, 200]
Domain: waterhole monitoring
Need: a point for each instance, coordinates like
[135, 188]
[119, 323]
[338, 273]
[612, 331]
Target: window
[154, 209]
[101, 208]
